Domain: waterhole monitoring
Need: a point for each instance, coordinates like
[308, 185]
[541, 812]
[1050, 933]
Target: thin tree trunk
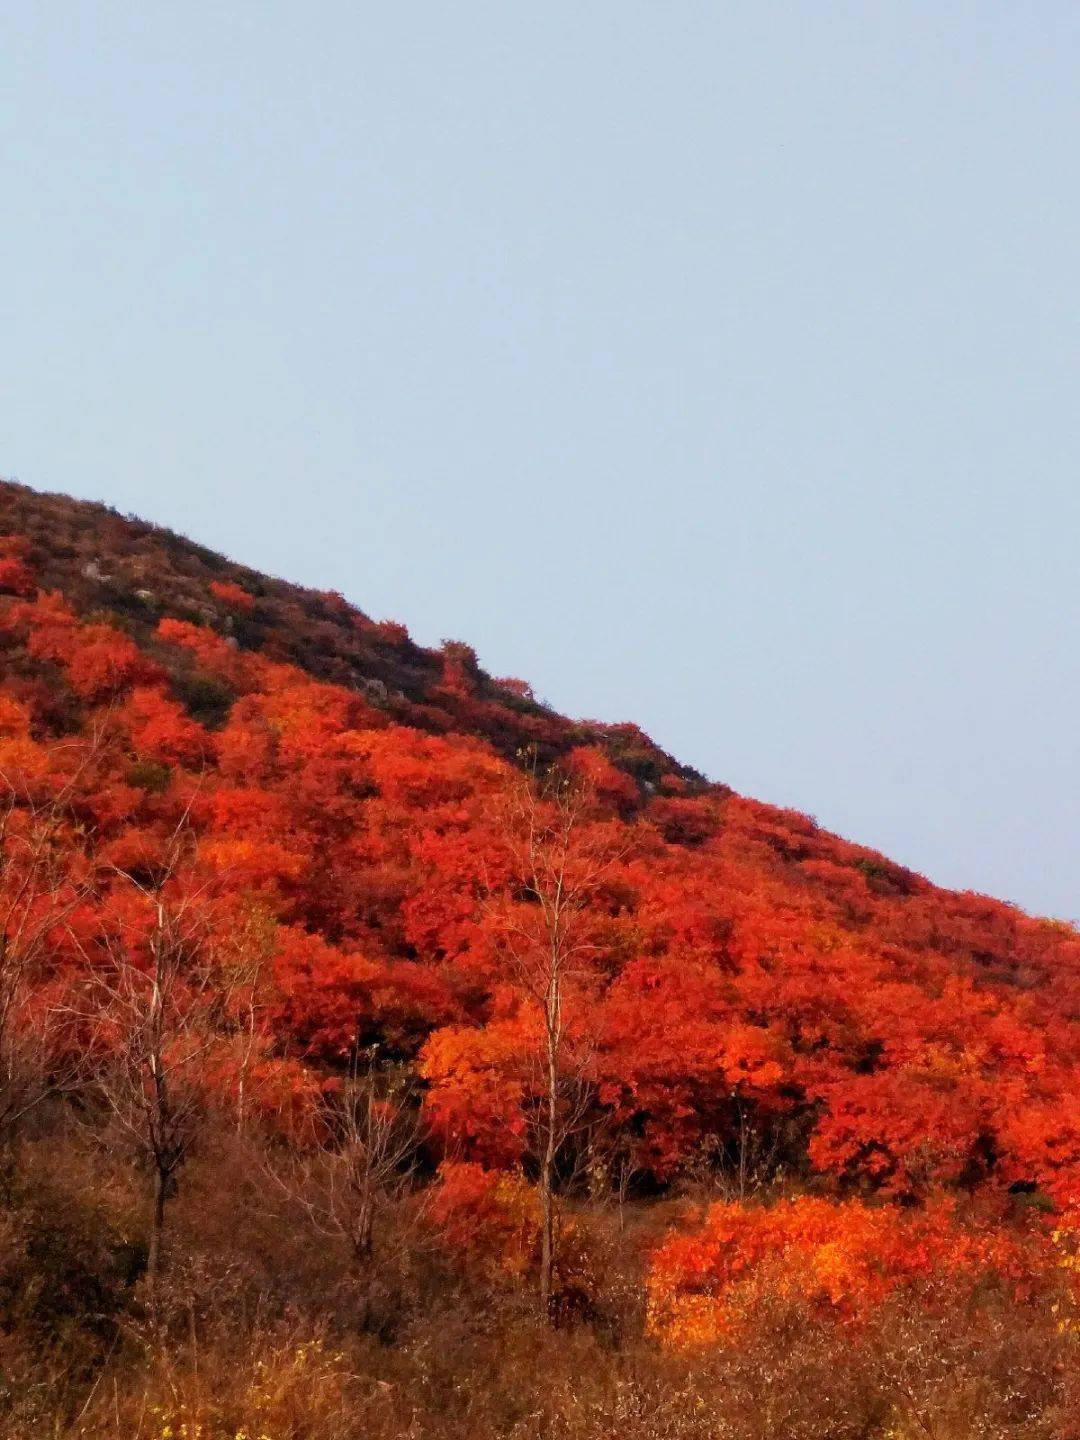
[157, 1230]
[245, 1063]
[547, 1245]
[547, 1168]
[364, 1230]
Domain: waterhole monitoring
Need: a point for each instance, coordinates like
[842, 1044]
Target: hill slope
[351, 1002]
[345, 784]
[139, 574]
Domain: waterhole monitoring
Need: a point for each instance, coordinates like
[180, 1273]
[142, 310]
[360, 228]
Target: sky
[710, 365]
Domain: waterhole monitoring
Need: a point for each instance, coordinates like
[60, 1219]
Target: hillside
[140, 574]
[272, 871]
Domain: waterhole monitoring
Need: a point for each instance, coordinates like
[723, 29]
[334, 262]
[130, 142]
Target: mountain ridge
[104, 564]
[347, 782]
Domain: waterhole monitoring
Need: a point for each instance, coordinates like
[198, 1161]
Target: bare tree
[242, 962]
[157, 1013]
[361, 1159]
[747, 1160]
[558, 863]
[612, 1165]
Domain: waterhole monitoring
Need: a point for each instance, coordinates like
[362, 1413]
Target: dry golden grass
[262, 1334]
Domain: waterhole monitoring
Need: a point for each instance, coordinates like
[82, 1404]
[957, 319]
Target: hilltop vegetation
[368, 1029]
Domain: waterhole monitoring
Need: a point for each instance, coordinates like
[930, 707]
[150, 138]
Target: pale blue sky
[712, 365]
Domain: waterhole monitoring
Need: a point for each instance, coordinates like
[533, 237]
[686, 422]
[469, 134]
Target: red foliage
[214, 652]
[735, 961]
[490, 1219]
[233, 595]
[160, 729]
[16, 576]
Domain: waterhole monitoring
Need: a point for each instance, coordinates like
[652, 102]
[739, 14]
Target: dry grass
[265, 1334]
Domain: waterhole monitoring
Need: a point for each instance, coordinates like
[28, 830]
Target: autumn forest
[384, 1054]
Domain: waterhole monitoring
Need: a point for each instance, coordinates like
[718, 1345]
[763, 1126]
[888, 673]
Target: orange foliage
[840, 1260]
